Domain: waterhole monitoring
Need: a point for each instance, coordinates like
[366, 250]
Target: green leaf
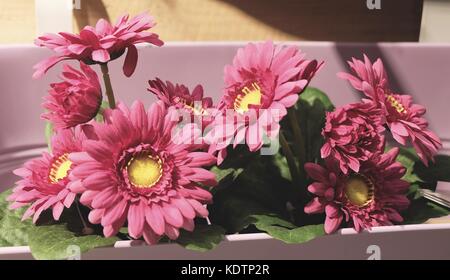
[438, 171]
[203, 238]
[99, 117]
[13, 231]
[45, 241]
[311, 111]
[55, 242]
[258, 189]
[234, 211]
[3, 202]
[48, 134]
[280, 162]
[408, 157]
[312, 95]
[285, 231]
[225, 176]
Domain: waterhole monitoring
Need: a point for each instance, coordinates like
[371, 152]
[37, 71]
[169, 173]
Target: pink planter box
[421, 70]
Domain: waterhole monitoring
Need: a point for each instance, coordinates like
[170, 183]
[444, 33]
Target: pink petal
[332, 224]
[172, 215]
[317, 188]
[399, 128]
[42, 67]
[155, 219]
[100, 55]
[316, 172]
[314, 206]
[57, 210]
[130, 61]
[113, 214]
[136, 219]
[188, 224]
[172, 232]
[199, 208]
[149, 236]
[95, 216]
[185, 208]
[77, 48]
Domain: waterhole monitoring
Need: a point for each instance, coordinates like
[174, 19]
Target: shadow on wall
[90, 9]
[343, 20]
[348, 51]
[324, 20]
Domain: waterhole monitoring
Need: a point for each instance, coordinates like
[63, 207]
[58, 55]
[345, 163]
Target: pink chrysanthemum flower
[403, 117]
[179, 96]
[75, 100]
[138, 172]
[100, 44]
[263, 81]
[369, 198]
[45, 183]
[353, 134]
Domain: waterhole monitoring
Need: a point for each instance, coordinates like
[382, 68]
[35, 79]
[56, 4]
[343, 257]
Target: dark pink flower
[263, 81]
[353, 134]
[366, 72]
[100, 44]
[75, 100]
[369, 198]
[45, 184]
[179, 96]
[140, 172]
[403, 117]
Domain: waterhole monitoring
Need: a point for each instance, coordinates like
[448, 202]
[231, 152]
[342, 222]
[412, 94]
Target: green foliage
[203, 238]
[47, 240]
[48, 134]
[408, 157]
[311, 109]
[13, 231]
[285, 231]
[54, 242]
[438, 171]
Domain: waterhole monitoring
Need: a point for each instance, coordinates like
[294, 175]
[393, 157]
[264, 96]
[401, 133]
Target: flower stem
[86, 229]
[293, 169]
[108, 86]
[299, 146]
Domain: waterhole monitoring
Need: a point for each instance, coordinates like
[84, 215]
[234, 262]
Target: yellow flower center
[144, 170]
[396, 104]
[60, 168]
[249, 96]
[196, 108]
[359, 190]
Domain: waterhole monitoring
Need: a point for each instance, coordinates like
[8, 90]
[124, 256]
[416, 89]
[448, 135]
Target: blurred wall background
[206, 20]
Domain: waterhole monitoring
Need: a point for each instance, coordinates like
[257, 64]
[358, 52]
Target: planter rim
[259, 236]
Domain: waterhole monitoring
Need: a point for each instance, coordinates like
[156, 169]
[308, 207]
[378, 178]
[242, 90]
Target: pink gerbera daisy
[353, 134]
[403, 117]
[138, 171]
[263, 81]
[45, 183]
[365, 199]
[100, 44]
[75, 100]
[179, 96]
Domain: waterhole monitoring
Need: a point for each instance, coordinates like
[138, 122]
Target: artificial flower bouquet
[272, 155]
